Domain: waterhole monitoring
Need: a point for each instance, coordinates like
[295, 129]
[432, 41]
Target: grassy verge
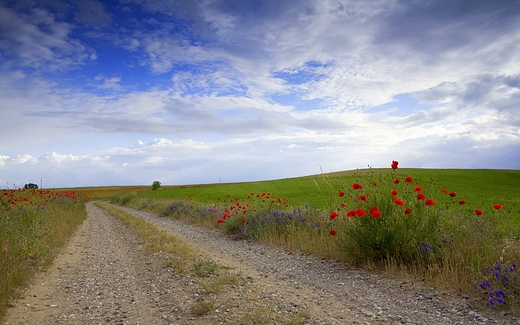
[458, 229]
[34, 225]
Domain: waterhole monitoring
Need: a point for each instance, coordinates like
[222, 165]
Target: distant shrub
[156, 185]
[30, 186]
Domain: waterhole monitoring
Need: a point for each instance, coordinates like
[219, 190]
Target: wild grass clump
[123, 199]
[34, 225]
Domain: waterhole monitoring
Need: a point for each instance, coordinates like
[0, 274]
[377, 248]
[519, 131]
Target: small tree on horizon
[156, 185]
[30, 186]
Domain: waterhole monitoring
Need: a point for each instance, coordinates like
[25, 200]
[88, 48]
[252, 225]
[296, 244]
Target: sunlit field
[450, 228]
[456, 229]
[34, 225]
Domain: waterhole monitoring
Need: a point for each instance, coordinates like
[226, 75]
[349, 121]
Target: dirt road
[106, 276]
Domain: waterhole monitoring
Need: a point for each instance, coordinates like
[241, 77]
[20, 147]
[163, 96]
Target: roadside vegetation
[456, 229]
[34, 225]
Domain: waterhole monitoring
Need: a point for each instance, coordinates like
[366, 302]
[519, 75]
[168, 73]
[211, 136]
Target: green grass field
[481, 188]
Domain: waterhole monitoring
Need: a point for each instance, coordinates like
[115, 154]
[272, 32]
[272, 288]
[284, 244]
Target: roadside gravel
[332, 292]
[106, 276]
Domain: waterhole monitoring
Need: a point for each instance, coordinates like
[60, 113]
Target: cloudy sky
[200, 91]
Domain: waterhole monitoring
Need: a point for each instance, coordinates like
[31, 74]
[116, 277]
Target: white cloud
[38, 40]
[56, 158]
[3, 160]
[205, 89]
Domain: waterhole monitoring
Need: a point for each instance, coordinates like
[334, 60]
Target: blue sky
[131, 91]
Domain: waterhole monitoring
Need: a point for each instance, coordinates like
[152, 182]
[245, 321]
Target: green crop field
[480, 187]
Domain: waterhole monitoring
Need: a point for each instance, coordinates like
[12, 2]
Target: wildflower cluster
[394, 217]
[31, 204]
[237, 212]
[253, 202]
[500, 284]
[10, 199]
[260, 222]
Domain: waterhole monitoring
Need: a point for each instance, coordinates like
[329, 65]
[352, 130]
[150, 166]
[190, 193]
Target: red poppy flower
[351, 213]
[453, 194]
[399, 202]
[243, 220]
[461, 202]
[393, 193]
[374, 212]
[333, 215]
[397, 181]
[408, 179]
[417, 189]
[407, 211]
[421, 196]
[341, 194]
[220, 221]
[357, 186]
[343, 204]
[479, 212]
[361, 212]
[445, 191]
[429, 202]
[333, 232]
[498, 206]
[394, 164]
[362, 198]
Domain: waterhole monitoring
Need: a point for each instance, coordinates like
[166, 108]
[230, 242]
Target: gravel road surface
[105, 275]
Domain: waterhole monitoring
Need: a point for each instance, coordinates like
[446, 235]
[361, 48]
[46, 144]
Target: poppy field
[457, 229]
[34, 224]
